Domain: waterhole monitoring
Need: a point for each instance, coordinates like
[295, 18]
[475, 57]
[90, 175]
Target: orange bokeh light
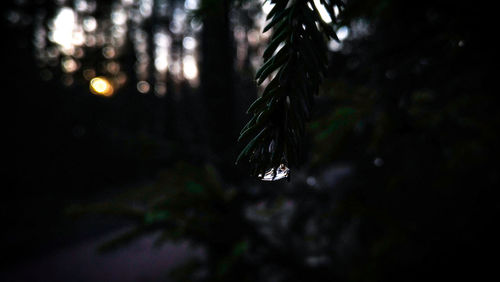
[101, 86]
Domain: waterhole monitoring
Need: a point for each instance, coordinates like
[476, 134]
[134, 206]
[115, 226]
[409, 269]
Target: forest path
[138, 261]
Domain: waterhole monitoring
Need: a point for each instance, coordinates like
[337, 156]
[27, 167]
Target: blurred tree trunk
[217, 83]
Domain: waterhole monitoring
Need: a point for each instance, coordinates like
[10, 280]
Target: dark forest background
[399, 170]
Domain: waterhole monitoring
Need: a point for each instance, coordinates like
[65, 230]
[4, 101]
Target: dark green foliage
[295, 62]
[187, 203]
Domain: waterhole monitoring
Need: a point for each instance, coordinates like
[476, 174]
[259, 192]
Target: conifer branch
[295, 62]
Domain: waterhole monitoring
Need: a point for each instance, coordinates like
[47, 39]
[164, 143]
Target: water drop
[281, 172]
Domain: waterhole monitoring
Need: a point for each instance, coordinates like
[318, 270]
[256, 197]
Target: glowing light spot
[78, 36]
[108, 52]
[253, 37]
[191, 4]
[79, 53]
[146, 8]
[101, 86]
[189, 43]
[334, 45]
[90, 40]
[281, 172]
[189, 67]
[143, 87]
[89, 24]
[113, 67]
[81, 5]
[62, 28]
[161, 63]
[69, 65]
[343, 32]
[177, 24]
[175, 68]
[119, 17]
[162, 42]
[162, 39]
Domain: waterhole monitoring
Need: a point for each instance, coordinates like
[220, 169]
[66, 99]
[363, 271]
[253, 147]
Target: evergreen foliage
[295, 62]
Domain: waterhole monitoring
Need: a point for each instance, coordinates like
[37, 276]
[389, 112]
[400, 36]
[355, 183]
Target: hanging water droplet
[281, 172]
